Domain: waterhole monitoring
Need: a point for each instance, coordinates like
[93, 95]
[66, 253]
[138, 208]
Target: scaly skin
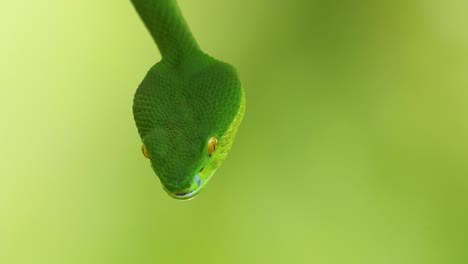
[183, 101]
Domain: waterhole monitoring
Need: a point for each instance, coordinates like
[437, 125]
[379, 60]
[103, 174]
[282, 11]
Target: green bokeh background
[353, 148]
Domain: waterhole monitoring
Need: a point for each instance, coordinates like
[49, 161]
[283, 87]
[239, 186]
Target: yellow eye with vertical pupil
[212, 145]
[145, 151]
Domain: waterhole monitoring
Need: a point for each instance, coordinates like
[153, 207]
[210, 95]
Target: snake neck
[168, 28]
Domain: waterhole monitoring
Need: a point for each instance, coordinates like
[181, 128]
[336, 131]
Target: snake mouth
[189, 194]
[199, 180]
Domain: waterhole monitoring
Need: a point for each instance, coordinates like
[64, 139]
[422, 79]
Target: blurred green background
[353, 148]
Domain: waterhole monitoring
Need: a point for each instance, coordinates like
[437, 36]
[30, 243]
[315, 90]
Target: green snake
[188, 107]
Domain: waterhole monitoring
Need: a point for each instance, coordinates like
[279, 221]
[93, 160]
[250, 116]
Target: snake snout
[191, 192]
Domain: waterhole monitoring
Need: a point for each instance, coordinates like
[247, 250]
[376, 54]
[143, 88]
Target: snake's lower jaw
[199, 181]
[190, 193]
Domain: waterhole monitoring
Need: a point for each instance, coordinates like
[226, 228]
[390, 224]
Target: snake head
[187, 117]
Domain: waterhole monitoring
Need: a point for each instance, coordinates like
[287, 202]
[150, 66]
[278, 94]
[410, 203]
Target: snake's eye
[212, 145]
[145, 151]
